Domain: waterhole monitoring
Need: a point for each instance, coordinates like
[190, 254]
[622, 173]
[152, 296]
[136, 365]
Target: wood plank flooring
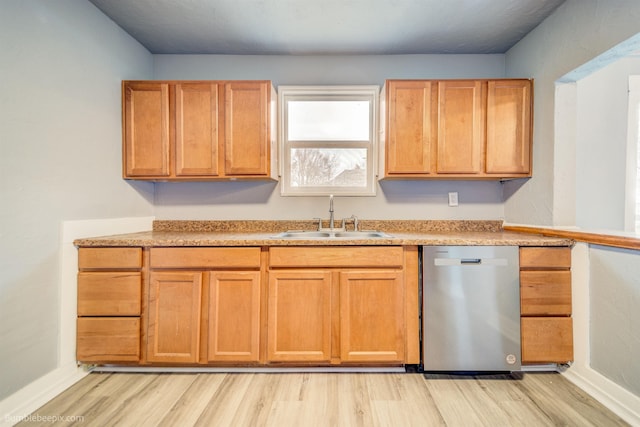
[323, 399]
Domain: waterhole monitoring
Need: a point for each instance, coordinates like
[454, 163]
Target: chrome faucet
[332, 221]
[331, 211]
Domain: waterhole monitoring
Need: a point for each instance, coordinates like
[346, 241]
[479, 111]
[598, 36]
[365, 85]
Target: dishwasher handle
[450, 262]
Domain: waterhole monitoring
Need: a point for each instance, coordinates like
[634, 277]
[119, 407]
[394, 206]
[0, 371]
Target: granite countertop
[261, 233]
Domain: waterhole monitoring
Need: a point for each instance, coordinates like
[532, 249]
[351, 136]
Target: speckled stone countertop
[262, 233]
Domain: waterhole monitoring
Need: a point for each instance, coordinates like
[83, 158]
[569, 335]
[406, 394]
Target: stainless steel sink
[303, 235]
[362, 234]
[331, 234]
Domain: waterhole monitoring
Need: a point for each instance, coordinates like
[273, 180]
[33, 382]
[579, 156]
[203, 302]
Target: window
[637, 169]
[328, 138]
[633, 157]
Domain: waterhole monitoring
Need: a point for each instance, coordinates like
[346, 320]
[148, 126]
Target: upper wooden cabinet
[410, 127]
[198, 130]
[461, 127]
[456, 129]
[508, 128]
[146, 129]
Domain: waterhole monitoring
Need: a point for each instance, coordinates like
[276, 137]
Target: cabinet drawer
[545, 258]
[109, 339]
[205, 257]
[329, 256]
[547, 339]
[109, 293]
[109, 258]
[545, 293]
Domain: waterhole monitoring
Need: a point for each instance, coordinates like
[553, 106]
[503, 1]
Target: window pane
[638, 172]
[319, 167]
[328, 120]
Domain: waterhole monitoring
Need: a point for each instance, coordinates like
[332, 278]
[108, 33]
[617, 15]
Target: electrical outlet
[453, 198]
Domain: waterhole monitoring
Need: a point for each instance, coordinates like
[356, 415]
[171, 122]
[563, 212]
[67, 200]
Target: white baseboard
[619, 400]
[28, 399]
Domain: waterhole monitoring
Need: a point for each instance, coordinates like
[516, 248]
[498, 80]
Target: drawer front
[545, 258]
[330, 256]
[545, 293]
[205, 257]
[109, 294]
[547, 339]
[109, 258]
[108, 339]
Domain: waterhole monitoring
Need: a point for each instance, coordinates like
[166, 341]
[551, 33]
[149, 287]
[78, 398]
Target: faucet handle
[355, 222]
[319, 221]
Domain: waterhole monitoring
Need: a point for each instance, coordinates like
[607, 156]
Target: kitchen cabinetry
[545, 295]
[456, 129]
[173, 332]
[461, 127]
[372, 322]
[109, 289]
[509, 128]
[198, 130]
[300, 316]
[204, 305]
[343, 305]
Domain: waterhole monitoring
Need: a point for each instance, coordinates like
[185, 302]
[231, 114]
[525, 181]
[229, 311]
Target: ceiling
[306, 27]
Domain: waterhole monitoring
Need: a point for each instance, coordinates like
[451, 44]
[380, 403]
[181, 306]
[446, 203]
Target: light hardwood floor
[323, 399]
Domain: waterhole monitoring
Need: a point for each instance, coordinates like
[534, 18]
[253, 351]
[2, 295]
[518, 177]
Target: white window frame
[306, 93]
[632, 208]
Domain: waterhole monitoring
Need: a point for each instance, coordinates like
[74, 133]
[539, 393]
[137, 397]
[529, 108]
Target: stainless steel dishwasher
[471, 308]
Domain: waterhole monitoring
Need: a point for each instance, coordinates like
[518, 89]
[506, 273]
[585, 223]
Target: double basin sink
[332, 234]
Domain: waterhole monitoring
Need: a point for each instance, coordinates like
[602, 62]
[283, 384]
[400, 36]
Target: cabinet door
[461, 127]
[299, 316]
[372, 321]
[146, 122]
[174, 317]
[410, 124]
[234, 316]
[508, 127]
[247, 133]
[197, 129]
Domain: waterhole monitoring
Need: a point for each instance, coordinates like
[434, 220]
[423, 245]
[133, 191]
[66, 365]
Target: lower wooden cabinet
[204, 305]
[109, 305]
[545, 305]
[341, 305]
[184, 305]
[187, 306]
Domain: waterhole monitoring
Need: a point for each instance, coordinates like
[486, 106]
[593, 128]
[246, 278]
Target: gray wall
[615, 318]
[601, 145]
[580, 38]
[61, 67]
[394, 200]
[575, 34]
